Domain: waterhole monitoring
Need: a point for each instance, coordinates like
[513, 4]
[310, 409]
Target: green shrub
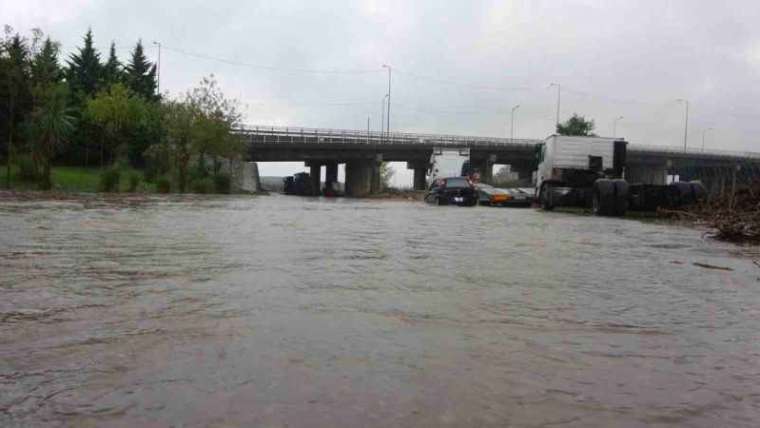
[109, 180]
[134, 181]
[27, 170]
[163, 185]
[202, 185]
[222, 183]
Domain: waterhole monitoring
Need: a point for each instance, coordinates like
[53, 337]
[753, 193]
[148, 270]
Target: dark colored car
[452, 191]
[298, 184]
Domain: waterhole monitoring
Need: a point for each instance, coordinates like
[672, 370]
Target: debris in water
[706, 266]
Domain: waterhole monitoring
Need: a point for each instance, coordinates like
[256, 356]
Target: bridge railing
[374, 137]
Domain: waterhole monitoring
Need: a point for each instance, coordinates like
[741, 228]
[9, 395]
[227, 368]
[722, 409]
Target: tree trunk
[10, 150]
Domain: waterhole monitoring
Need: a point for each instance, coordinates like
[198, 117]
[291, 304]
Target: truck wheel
[546, 197]
[603, 200]
[621, 197]
[440, 201]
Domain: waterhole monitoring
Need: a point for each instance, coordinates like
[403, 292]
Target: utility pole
[614, 126]
[158, 68]
[559, 89]
[388, 117]
[703, 137]
[382, 117]
[512, 125]
[686, 122]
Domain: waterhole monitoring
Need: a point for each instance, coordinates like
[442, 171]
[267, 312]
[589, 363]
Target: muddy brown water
[285, 311]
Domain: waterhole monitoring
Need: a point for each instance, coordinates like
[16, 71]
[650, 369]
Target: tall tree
[141, 74]
[216, 116]
[576, 125]
[85, 70]
[45, 70]
[118, 112]
[52, 123]
[113, 71]
[18, 92]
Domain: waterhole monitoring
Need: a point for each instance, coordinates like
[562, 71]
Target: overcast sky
[458, 67]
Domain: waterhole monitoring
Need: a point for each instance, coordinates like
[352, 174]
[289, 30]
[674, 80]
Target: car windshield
[456, 183]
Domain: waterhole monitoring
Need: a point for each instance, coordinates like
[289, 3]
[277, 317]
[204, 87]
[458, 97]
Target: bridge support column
[524, 173]
[331, 177]
[315, 173]
[420, 171]
[359, 177]
[376, 185]
[485, 168]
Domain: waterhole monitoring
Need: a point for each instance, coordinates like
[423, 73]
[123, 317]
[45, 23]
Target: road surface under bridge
[363, 151]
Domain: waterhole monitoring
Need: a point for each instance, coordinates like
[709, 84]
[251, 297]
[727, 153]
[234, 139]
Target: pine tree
[45, 68]
[18, 100]
[84, 69]
[141, 74]
[113, 71]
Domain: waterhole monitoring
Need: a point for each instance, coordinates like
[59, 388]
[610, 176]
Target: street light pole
[614, 126]
[703, 137]
[158, 68]
[686, 122]
[388, 117]
[559, 89]
[512, 125]
[382, 116]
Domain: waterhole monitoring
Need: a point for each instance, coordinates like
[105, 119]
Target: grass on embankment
[75, 179]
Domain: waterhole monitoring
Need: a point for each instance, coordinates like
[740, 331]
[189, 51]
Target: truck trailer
[590, 172]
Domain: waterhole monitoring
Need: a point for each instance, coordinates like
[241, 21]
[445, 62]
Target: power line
[270, 67]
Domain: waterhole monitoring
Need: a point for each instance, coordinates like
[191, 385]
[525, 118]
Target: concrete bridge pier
[376, 185]
[359, 177]
[420, 172]
[331, 175]
[315, 173]
[524, 173]
[485, 167]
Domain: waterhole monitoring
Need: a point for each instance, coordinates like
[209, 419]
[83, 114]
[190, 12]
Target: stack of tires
[610, 197]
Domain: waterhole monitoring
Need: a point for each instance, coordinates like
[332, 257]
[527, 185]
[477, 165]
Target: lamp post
[559, 89]
[686, 122]
[388, 116]
[382, 116]
[614, 126]
[703, 137]
[512, 124]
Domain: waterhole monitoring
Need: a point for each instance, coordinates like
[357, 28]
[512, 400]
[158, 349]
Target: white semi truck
[590, 172]
[445, 163]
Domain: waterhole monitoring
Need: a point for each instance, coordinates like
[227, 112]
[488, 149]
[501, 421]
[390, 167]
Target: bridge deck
[273, 135]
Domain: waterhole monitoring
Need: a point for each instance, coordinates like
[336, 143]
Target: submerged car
[498, 197]
[452, 191]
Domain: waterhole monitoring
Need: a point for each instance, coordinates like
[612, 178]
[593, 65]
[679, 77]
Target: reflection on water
[283, 311]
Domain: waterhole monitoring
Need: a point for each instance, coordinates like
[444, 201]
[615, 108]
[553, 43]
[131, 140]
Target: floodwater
[284, 311]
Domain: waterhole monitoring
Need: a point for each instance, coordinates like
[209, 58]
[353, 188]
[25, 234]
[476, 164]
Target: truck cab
[569, 168]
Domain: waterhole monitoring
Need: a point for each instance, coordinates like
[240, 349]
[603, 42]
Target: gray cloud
[460, 66]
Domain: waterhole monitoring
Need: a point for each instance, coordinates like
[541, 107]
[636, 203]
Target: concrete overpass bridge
[363, 151]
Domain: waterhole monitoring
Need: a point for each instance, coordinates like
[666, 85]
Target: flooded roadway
[285, 311]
